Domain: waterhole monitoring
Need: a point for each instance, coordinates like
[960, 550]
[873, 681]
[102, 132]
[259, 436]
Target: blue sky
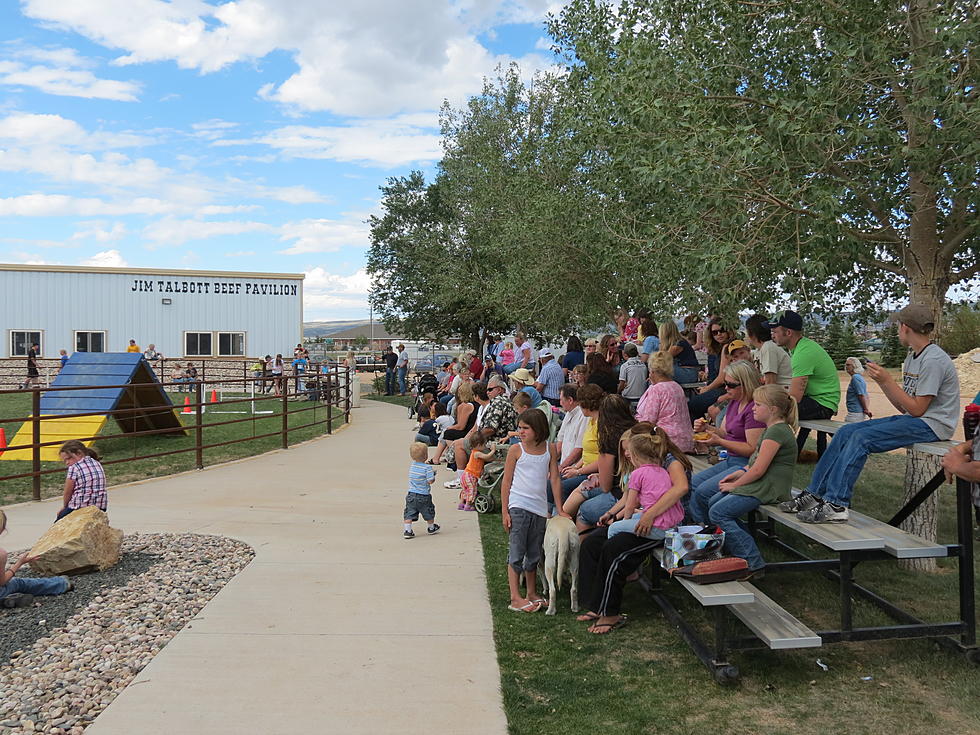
[249, 135]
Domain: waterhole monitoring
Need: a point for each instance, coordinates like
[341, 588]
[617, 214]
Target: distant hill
[325, 329]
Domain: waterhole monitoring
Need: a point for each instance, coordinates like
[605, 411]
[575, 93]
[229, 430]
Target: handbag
[682, 540]
[726, 569]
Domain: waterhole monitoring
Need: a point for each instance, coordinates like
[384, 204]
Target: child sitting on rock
[19, 591]
[85, 478]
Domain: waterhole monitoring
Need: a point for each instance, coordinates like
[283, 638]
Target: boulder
[80, 542]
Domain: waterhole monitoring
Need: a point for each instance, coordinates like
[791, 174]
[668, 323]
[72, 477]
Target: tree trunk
[919, 469]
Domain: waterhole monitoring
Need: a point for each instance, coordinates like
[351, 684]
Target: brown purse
[726, 569]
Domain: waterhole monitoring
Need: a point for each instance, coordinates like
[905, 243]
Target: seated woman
[594, 497]
[601, 373]
[648, 335]
[465, 415]
[738, 433]
[686, 365]
[579, 376]
[663, 404]
[721, 336]
[606, 563]
[574, 355]
[609, 349]
[767, 479]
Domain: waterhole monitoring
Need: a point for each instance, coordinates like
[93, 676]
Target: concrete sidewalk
[339, 624]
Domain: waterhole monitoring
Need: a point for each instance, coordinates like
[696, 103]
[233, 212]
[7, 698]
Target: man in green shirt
[815, 384]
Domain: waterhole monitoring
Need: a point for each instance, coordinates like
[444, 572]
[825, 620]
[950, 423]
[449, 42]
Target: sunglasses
[719, 331]
[732, 386]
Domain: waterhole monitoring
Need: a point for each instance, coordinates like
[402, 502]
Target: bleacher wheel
[483, 503]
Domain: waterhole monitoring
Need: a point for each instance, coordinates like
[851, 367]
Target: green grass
[558, 678]
[14, 405]
[405, 401]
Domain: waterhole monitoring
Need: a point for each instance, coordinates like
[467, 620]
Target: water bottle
[722, 455]
[971, 421]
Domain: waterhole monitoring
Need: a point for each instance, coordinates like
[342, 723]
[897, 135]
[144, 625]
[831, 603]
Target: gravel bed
[57, 676]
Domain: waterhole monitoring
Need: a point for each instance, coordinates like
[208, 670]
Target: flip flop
[587, 617]
[530, 607]
[539, 602]
[606, 627]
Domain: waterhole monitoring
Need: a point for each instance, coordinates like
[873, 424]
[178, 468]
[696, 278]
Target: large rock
[80, 542]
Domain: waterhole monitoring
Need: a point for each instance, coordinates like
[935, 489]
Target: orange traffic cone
[214, 396]
[187, 405]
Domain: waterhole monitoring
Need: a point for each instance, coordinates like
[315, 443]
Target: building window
[89, 341]
[231, 344]
[197, 344]
[21, 341]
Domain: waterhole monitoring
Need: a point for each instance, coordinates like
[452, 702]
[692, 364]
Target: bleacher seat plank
[832, 427]
[721, 593]
[898, 543]
[773, 625]
[836, 536]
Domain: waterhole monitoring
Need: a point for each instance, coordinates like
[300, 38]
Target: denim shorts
[416, 504]
[526, 539]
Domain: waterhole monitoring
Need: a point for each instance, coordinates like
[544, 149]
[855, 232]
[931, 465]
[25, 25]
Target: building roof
[364, 330]
[147, 271]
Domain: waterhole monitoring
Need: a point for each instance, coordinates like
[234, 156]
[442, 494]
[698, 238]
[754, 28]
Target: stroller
[424, 383]
[488, 488]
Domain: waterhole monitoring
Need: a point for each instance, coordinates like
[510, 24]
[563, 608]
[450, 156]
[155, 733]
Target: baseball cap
[735, 344]
[916, 316]
[787, 319]
[545, 353]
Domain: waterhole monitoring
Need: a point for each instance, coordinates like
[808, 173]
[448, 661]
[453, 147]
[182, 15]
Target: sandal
[429, 461]
[530, 607]
[604, 628]
[587, 617]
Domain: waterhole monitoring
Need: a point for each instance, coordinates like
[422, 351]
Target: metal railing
[327, 391]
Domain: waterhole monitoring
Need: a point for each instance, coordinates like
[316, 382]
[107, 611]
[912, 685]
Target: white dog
[561, 544]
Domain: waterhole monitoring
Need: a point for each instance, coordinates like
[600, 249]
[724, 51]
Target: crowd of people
[601, 435]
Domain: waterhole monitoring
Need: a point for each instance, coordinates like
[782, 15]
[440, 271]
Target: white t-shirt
[443, 423]
[530, 487]
[571, 432]
[932, 373]
[771, 358]
[524, 349]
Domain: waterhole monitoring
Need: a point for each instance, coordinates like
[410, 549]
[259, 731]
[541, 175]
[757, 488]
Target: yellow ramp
[55, 429]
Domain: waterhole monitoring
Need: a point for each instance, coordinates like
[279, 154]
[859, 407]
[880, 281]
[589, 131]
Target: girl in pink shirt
[507, 354]
[648, 482]
[664, 405]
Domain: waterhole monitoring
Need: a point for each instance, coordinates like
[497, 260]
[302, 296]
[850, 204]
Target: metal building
[184, 313]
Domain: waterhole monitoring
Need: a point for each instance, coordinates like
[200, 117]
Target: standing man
[929, 402]
[391, 359]
[133, 347]
[402, 365]
[814, 384]
[551, 378]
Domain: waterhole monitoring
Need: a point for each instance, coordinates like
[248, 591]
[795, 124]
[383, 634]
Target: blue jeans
[35, 586]
[838, 469]
[704, 486]
[508, 369]
[697, 405]
[724, 510]
[683, 374]
[568, 485]
[593, 509]
[389, 381]
[402, 372]
[628, 525]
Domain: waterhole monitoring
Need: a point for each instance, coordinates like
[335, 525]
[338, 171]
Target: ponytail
[74, 446]
[778, 399]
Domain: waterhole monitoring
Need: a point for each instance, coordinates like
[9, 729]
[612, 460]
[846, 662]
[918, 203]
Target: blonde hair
[747, 374]
[591, 342]
[509, 345]
[521, 399]
[661, 363]
[648, 449]
[464, 394]
[646, 428]
[419, 451]
[779, 400]
[669, 335]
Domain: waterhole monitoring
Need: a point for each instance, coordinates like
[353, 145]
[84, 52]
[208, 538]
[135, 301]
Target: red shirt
[476, 368]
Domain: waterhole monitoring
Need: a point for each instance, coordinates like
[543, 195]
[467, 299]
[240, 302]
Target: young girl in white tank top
[531, 470]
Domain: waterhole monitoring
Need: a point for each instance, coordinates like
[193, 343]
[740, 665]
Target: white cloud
[67, 82]
[398, 141]
[349, 55]
[28, 129]
[171, 231]
[59, 205]
[324, 292]
[323, 235]
[106, 259]
[97, 231]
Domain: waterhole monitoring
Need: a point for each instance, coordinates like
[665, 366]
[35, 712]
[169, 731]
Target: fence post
[350, 374]
[36, 441]
[330, 393]
[198, 426]
[285, 412]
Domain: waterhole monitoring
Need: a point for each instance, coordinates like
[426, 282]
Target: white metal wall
[130, 306]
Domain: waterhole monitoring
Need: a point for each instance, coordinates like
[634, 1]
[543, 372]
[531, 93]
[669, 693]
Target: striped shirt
[552, 378]
[420, 475]
[89, 484]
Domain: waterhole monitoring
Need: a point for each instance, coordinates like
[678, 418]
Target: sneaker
[409, 534]
[461, 506]
[824, 513]
[804, 501]
[17, 599]
[452, 485]
[434, 528]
